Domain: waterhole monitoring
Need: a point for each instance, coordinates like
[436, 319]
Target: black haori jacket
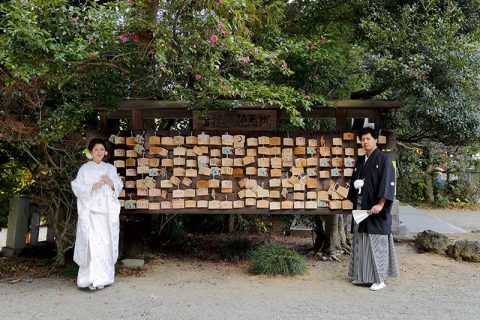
[379, 182]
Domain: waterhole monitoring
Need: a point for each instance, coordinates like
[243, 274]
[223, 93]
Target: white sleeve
[79, 187]
[117, 182]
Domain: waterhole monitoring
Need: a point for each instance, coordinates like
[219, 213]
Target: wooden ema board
[207, 186]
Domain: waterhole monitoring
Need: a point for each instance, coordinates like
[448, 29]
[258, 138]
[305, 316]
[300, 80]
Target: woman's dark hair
[96, 141]
[373, 132]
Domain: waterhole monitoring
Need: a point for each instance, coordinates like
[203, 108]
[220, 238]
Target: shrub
[441, 201]
[273, 259]
[236, 250]
[464, 192]
[69, 271]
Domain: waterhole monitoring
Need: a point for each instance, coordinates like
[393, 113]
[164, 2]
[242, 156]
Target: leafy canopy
[426, 55]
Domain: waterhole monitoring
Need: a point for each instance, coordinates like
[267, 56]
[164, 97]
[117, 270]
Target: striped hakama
[373, 257]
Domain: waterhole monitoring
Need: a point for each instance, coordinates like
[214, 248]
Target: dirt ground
[430, 287]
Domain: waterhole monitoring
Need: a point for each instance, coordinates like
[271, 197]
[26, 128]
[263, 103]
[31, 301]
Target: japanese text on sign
[254, 120]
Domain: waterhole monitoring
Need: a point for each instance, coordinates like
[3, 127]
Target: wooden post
[341, 119]
[103, 121]
[137, 119]
[380, 119]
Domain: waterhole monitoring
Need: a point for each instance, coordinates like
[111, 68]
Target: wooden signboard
[255, 120]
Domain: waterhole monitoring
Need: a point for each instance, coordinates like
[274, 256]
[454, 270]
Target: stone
[394, 211]
[431, 241]
[17, 225]
[133, 263]
[465, 250]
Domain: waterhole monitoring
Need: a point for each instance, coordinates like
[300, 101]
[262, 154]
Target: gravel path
[430, 287]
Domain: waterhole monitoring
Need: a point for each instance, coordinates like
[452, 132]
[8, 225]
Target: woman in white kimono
[97, 187]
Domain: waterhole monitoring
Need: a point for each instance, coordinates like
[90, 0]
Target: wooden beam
[155, 109]
[323, 113]
[365, 104]
[147, 104]
[244, 211]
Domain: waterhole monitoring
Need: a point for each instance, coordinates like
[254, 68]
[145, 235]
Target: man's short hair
[373, 132]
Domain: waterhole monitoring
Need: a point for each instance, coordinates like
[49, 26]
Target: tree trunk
[429, 196]
[332, 236]
[56, 217]
[429, 189]
[320, 237]
[231, 223]
[342, 231]
[60, 257]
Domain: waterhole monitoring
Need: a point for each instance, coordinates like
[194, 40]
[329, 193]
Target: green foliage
[273, 259]
[69, 271]
[179, 226]
[411, 184]
[441, 201]
[252, 223]
[461, 191]
[58, 60]
[421, 54]
[227, 50]
[457, 164]
[414, 191]
[176, 228]
[256, 52]
[425, 54]
[236, 250]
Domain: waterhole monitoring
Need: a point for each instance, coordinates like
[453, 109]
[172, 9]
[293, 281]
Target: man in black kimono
[373, 254]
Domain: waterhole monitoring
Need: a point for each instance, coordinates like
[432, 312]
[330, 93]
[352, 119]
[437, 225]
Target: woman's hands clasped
[104, 180]
[97, 185]
[108, 181]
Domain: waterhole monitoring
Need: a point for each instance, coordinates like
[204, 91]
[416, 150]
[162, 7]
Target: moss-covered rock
[431, 241]
[465, 250]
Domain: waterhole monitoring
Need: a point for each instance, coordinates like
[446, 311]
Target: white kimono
[98, 226]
